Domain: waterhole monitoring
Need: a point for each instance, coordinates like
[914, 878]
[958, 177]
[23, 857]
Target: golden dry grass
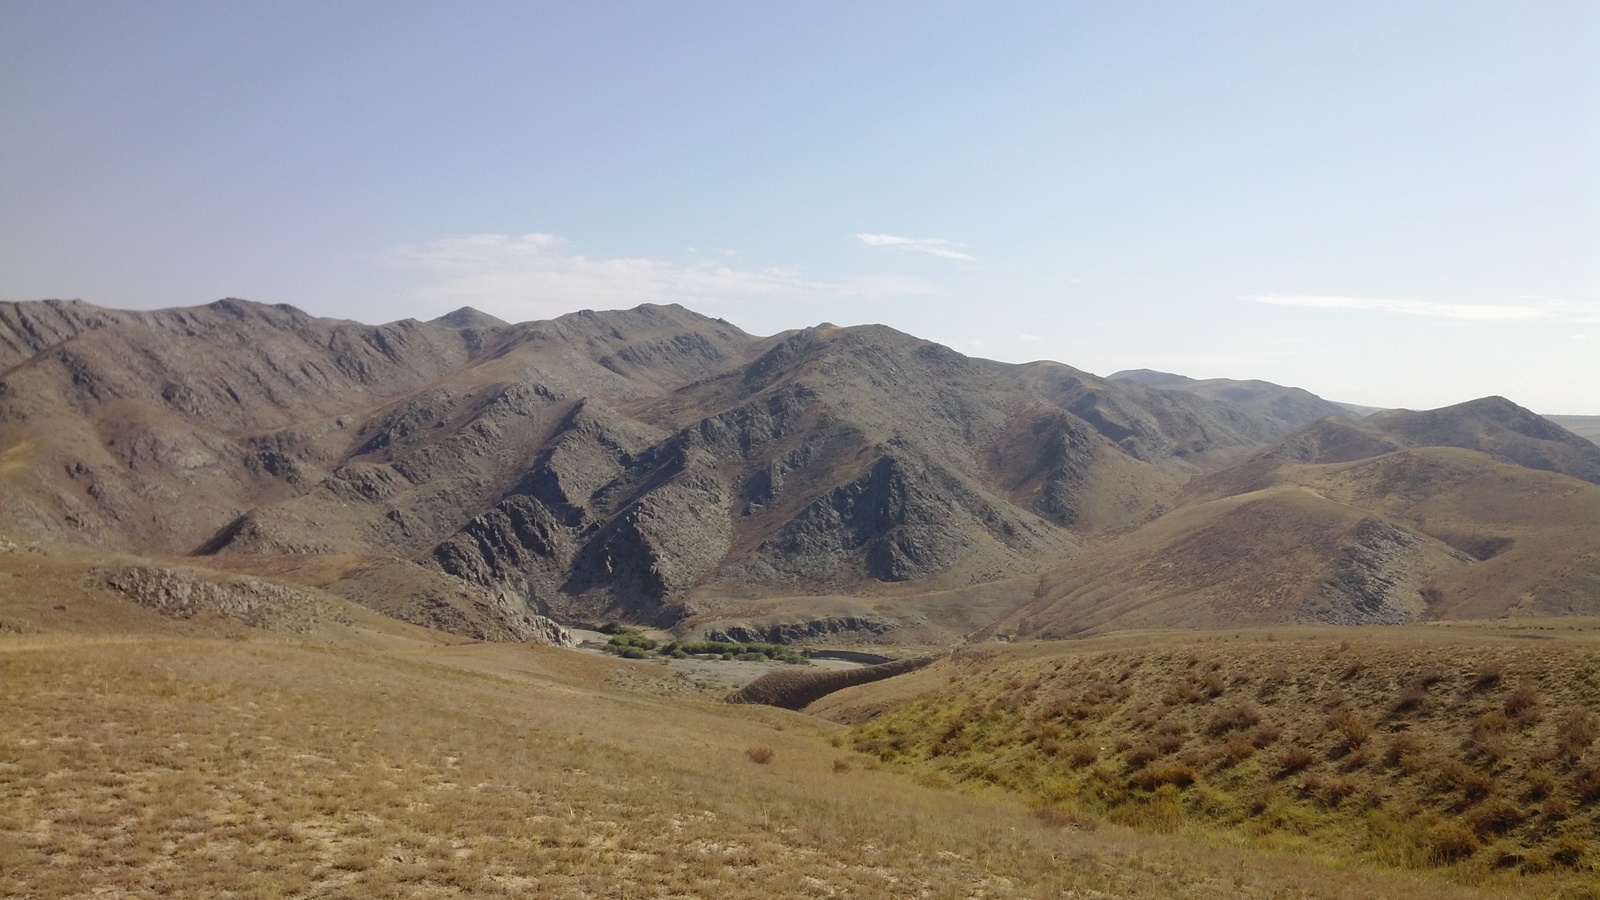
[193, 767]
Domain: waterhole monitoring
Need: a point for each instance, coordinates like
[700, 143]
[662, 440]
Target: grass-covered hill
[229, 749]
[1468, 751]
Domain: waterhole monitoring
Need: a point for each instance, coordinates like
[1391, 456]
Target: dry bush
[1080, 753]
[1497, 816]
[1447, 774]
[1402, 747]
[1490, 674]
[1462, 760]
[1170, 736]
[1491, 750]
[841, 766]
[1522, 704]
[1585, 783]
[1264, 735]
[1575, 731]
[1236, 749]
[1538, 784]
[759, 755]
[1336, 790]
[1169, 744]
[1413, 696]
[1453, 842]
[1293, 759]
[1236, 717]
[1350, 730]
[1141, 755]
[1153, 776]
[1491, 722]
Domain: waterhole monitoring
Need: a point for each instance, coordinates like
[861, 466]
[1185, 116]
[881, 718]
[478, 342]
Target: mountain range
[658, 466]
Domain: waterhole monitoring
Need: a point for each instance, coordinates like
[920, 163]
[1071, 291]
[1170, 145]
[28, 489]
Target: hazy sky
[1390, 203]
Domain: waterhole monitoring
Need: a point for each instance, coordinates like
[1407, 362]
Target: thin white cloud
[931, 246]
[1525, 309]
[1029, 338]
[540, 275]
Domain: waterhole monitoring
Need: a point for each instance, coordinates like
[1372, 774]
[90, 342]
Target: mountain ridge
[658, 465]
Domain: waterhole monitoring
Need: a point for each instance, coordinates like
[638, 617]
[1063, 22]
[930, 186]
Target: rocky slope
[646, 463]
[667, 468]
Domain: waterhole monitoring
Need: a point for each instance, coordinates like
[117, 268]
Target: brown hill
[1425, 533]
[1290, 405]
[643, 463]
[1154, 423]
[1492, 425]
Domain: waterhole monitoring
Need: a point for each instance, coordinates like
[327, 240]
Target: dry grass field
[326, 751]
[185, 766]
[1466, 751]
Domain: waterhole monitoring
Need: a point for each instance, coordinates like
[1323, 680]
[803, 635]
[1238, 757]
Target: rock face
[1379, 578]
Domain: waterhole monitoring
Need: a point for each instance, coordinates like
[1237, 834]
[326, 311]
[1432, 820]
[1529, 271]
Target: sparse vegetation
[631, 643]
[185, 767]
[1419, 755]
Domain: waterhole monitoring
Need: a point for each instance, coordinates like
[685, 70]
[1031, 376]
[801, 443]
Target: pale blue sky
[1393, 203]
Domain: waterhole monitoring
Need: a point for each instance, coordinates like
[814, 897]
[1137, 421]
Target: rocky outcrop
[1379, 578]
[182, 595]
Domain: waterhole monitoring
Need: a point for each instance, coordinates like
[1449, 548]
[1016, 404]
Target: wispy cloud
[931, 246]
[1524, 309]
[539, 275]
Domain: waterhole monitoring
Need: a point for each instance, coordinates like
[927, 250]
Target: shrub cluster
[629, 643]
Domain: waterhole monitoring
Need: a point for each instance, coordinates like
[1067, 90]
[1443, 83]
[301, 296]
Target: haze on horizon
[1387, 204]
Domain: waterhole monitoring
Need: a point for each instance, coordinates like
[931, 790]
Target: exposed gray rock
[180, 595]
[1375, 579]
